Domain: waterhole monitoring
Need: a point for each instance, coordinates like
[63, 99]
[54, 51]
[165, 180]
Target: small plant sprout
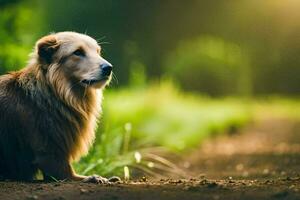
[54, 179]
[126, 173]
[128, 127]
[138, 157]
[126, 141]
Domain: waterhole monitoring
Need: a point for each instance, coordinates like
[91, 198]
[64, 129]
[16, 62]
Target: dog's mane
[77, 105]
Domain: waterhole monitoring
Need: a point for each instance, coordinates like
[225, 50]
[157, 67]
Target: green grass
[138, 125]
[135, 121]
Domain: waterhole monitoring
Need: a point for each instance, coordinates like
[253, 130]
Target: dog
[49, 109]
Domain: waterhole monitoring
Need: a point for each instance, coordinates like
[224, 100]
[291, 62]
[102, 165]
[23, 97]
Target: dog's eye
[78, 52]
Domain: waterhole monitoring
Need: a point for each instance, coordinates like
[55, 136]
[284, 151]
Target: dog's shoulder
[7, 87]
[13, 97]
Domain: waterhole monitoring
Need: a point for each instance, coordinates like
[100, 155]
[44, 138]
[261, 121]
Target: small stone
[83, 191]
[114, 179]
[292, 187]
[176, 181]
[202, 176]
[203, 182]
[143, 179]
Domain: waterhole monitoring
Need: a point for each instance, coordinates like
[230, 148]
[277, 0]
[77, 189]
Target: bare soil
[261, 162]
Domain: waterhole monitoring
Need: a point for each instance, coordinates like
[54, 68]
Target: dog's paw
[95, 179]
[101, 180]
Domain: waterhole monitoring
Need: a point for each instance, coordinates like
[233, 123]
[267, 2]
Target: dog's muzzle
[106, 71]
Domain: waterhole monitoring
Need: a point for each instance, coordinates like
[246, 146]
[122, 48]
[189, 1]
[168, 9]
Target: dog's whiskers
[114, 78]
[102, 42]
[99, 39]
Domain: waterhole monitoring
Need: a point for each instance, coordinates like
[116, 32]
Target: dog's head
[73, 57]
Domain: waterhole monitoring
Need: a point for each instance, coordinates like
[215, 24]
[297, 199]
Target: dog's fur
[49, 109]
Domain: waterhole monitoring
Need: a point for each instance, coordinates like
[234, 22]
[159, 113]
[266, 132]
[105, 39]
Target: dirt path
[261, 163]
[269, 149]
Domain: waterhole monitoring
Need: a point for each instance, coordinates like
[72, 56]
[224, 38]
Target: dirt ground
[261, 162]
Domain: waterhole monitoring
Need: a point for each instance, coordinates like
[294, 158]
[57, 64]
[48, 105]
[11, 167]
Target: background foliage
[224, 48]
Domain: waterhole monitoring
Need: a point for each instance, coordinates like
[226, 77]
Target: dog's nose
[106, 69]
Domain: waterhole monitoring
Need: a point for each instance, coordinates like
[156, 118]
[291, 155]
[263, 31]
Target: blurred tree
[265, 31]
[7, 2]
[210, 65]
[18, 33]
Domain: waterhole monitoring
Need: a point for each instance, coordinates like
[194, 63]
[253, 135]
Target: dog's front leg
[54, 167]
[60, 169]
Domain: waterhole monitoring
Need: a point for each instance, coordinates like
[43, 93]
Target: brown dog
[49, 109]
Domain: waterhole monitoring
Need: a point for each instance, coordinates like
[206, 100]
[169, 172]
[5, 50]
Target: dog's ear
[46, 48]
